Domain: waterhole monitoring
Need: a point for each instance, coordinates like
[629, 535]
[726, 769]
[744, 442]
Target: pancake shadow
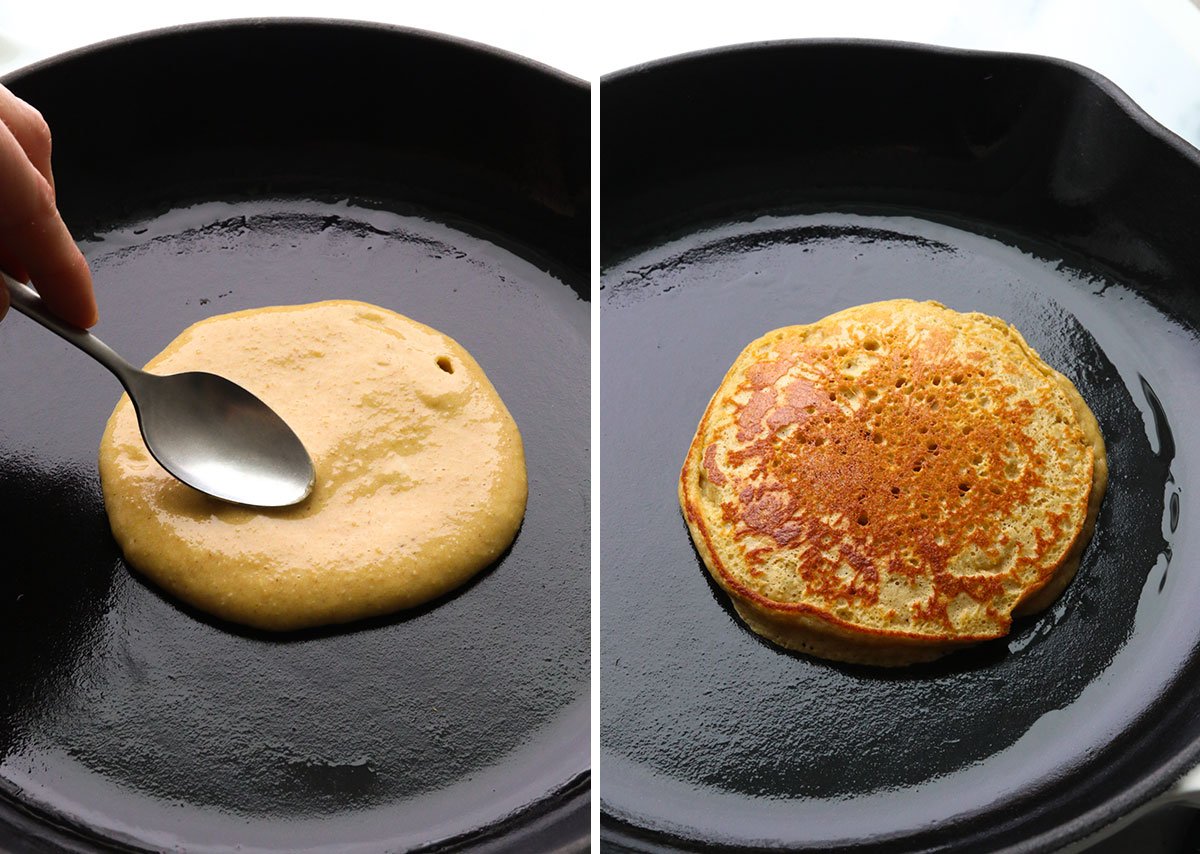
[975, 657]
[367, 624]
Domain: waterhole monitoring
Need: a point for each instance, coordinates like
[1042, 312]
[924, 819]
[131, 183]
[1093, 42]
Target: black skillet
[759, 186]
[218, 167]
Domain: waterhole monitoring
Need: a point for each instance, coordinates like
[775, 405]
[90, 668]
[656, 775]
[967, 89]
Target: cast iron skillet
[759, 186]
[219, 167]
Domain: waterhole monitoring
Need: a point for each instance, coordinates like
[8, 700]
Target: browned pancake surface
[892, 482]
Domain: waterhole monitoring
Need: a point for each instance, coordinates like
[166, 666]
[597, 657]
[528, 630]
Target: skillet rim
[561, 818]
[1133, 799]
[316, 22]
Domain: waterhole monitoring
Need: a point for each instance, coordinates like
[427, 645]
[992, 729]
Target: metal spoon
[208, 432]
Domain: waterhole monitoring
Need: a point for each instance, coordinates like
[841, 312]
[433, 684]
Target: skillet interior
[752, 188]
[220, 167]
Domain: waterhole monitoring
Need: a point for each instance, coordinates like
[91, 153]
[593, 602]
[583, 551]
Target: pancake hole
[895, 490]
[923, 429]
[957, 379]
[965, 487]
[870, 344]
[862, 519]
[976, 459]
[966, 431]
[933, 446]
[445, 364]
[877, 439]
[900, 382]
[937, 380]
[833, 395]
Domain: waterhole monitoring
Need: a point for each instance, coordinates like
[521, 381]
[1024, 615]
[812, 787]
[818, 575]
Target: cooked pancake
[892, 482]
[420, 473]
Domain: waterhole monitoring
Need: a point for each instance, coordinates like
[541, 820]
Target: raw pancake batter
[420, 472]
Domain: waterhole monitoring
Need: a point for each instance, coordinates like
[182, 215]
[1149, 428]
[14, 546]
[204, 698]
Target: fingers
[26, 124]
[34, 242]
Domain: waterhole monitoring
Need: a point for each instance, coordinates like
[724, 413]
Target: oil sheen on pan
[711, 733]
[166, 728]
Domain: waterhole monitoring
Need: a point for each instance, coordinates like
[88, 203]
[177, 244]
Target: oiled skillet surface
[200, 188]
[711, 735]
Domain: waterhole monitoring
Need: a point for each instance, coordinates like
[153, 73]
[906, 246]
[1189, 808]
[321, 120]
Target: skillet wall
[469, 131]
[1035, 145]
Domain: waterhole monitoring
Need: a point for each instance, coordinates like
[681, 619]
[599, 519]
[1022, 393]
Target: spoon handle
[26, 300]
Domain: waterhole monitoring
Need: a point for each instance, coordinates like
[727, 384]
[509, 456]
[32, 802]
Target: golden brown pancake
[892, 482]
[420, 472]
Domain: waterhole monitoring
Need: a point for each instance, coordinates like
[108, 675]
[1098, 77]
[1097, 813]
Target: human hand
[35, 245]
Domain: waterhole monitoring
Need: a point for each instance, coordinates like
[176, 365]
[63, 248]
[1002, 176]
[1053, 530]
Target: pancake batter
[420, 471]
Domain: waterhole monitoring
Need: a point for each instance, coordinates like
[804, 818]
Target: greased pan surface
[221, 167]
[761, 186]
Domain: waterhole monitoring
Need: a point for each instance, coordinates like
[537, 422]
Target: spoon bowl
[205, 430]
[186, 419]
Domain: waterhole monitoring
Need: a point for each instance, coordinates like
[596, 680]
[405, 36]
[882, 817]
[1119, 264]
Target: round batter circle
[420, 471]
